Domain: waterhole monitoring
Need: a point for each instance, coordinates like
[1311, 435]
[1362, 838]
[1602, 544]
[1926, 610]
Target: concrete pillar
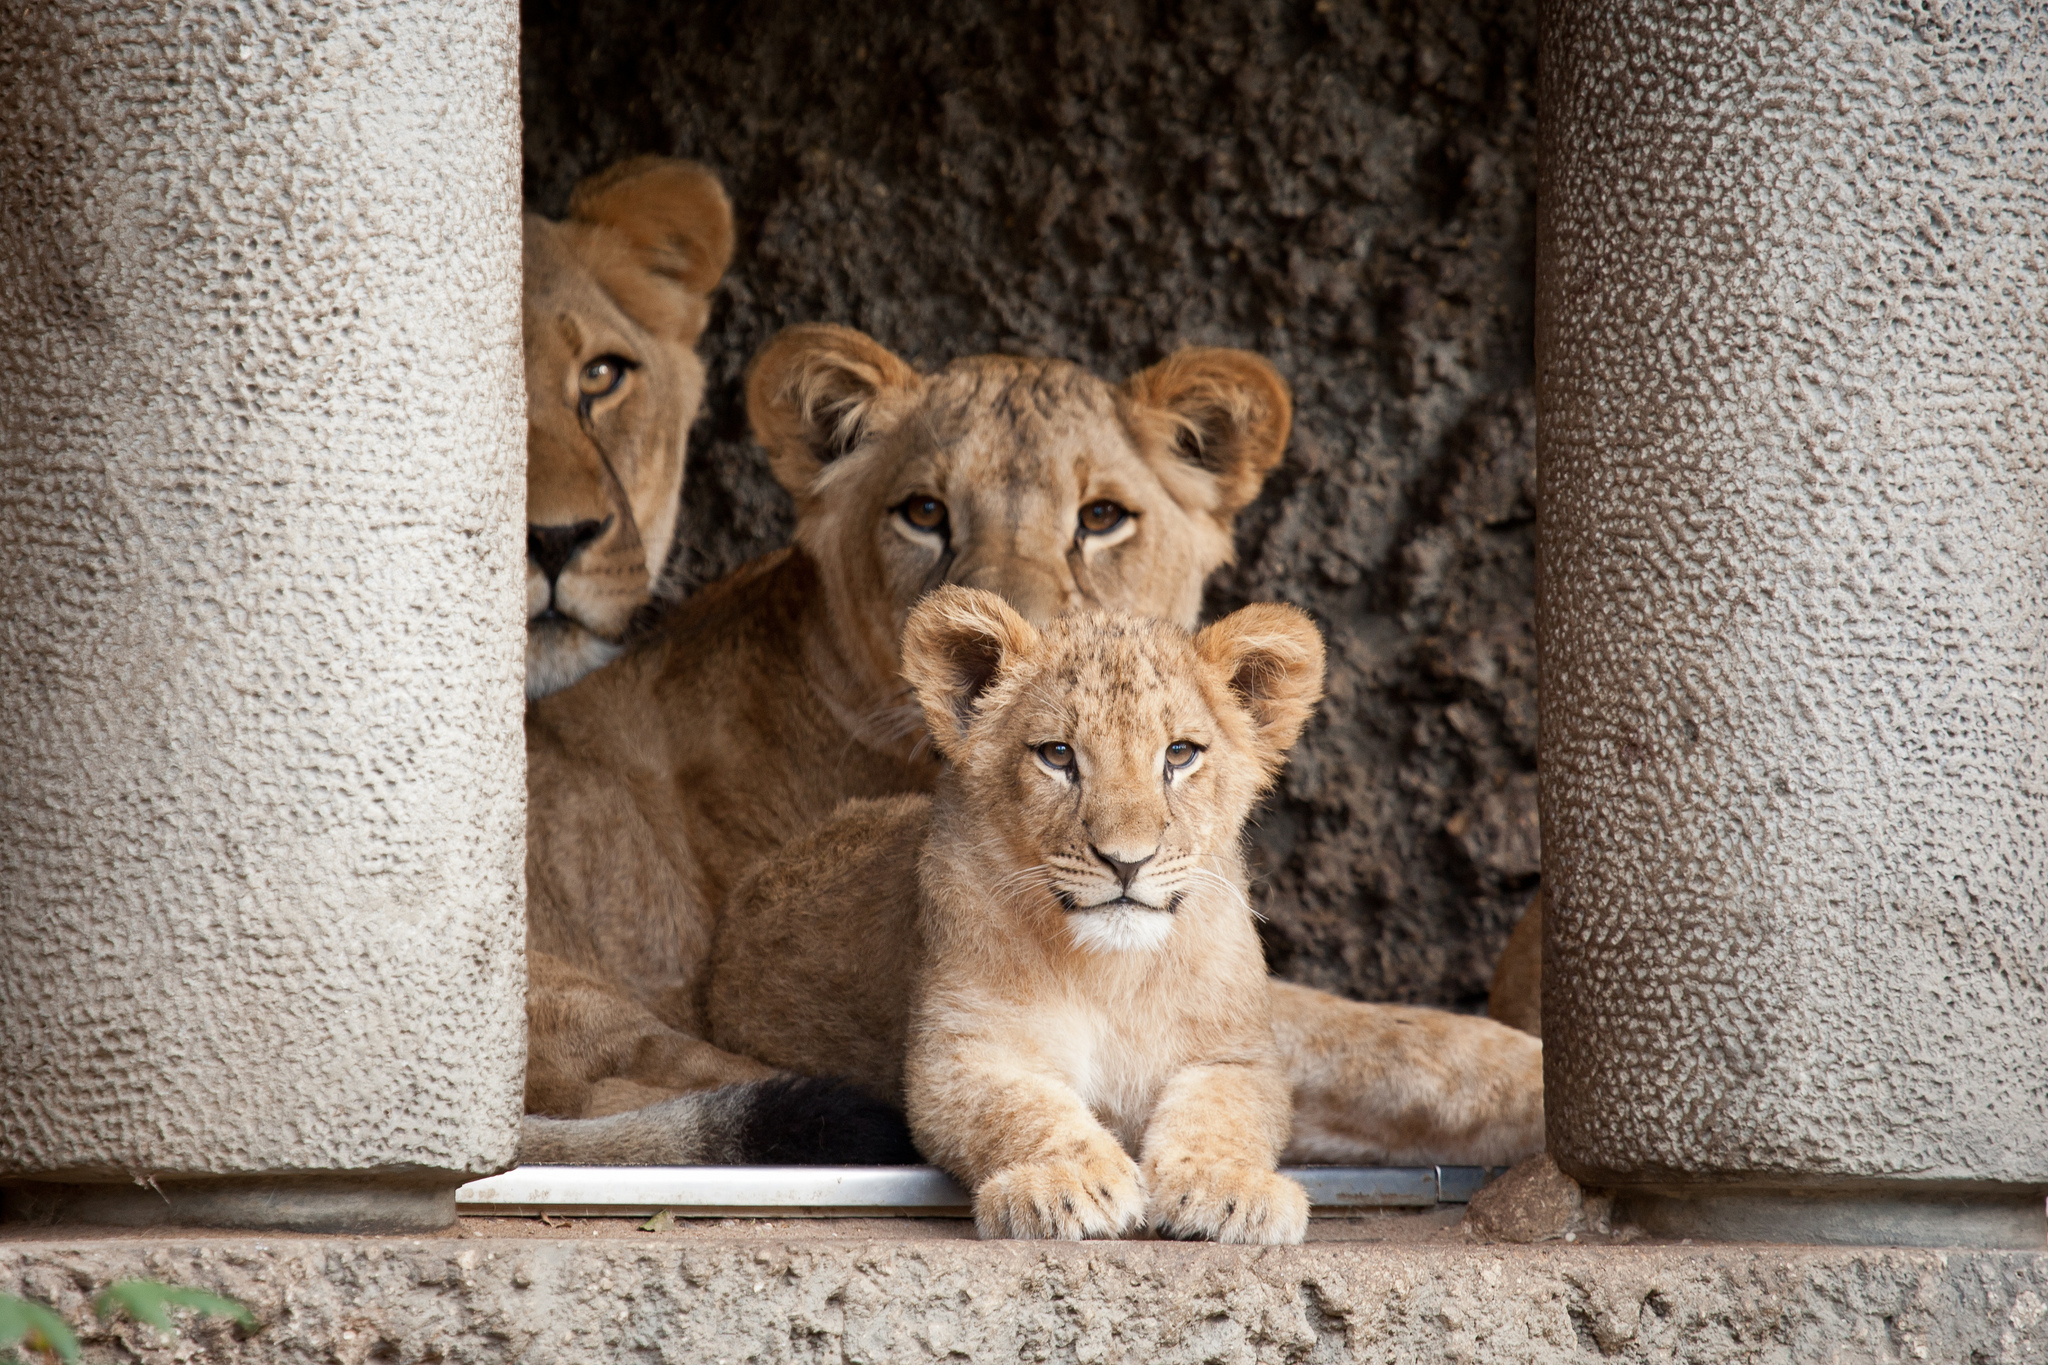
[261, 775]
[1792, 347]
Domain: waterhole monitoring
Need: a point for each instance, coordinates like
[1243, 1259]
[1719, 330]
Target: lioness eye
[602, 375]
[1181, 752]
[925, 513]
[1057, 755]
[1102, 515]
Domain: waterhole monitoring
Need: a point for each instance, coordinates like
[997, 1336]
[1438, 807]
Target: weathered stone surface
[1793, 344]
[789, 1294]
[1534, 1202]
[1346, 188]
[261, 770]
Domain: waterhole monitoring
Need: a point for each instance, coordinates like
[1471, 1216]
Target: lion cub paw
[1224, 1201]
[1095, 1196]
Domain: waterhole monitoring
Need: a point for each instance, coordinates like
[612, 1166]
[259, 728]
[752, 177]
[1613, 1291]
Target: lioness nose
[1126, 873]
[1036, 594]
[552, 547]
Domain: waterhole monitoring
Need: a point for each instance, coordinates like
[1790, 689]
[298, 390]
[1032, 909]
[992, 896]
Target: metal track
[875, 1191]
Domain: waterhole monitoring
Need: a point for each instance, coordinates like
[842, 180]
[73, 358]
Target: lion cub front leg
[1039, 1163]
[1209, 1153]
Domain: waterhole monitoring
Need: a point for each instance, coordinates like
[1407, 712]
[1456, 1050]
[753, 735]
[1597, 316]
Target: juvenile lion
[614, 301]
[1083, 980]
[749, 713]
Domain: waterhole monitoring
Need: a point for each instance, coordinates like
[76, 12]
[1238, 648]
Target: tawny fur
[747, 714]
[626, 275]
[1516, 994]
[1078, 1084]
[1039, 1066]
[651, 785]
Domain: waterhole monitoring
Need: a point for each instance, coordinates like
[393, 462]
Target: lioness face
[1030, 478]
[1114, 758]
[614, 304]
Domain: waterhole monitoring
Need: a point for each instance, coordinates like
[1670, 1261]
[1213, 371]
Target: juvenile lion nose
[552, 547]
[1126, 873]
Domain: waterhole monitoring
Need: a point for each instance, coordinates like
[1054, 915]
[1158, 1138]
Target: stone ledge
[1386, 1288]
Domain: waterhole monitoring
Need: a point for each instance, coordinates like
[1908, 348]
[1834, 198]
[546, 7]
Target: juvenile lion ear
[954, 646]
[1218, 420]
[673, 213]
[1271, 658]
[811, 393]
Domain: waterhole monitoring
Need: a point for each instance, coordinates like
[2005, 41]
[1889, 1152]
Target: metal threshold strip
[876, 1191]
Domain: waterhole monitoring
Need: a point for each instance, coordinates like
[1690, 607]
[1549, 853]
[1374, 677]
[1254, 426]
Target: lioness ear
[673, 213]
[1271, 657]
[1220, 413]
[955, 644]
[810, 394]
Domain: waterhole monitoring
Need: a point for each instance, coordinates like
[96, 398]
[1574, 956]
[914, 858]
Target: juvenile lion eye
[1056, 755]
[1102, 516]
[603, 375]
[925, 513]
[1181, 752]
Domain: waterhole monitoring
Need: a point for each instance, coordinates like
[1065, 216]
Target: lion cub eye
[1057, 755]
[603, 375]
[925, 513]
[1102, 516]
[1181, 752]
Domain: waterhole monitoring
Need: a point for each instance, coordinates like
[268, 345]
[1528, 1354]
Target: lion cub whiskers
[1104, 916]
[1090, 1045]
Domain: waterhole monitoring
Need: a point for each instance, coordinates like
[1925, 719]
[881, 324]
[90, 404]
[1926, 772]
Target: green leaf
[36, 1327]
[146, 1301]
[663, 1221]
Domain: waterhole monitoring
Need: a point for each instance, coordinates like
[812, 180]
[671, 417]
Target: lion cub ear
[673, 214]
[1271, 658]
[1219, 417]
[811, 393]
[954, 646]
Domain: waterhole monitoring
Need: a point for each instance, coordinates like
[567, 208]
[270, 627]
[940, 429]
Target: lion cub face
[1031, 478]
[1110, 761]
[615, 299]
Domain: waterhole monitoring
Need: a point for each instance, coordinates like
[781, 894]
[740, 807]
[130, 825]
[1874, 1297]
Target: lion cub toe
[1094, 1196]
[1224, 1201]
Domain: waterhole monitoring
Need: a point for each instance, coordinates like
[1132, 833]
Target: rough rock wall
[1344, 187]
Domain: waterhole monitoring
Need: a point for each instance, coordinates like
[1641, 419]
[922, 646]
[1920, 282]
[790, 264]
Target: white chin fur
[1119, 929]
[558, 657]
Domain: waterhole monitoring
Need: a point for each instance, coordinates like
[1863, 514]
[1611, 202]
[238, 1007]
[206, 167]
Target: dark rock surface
[1346, 188]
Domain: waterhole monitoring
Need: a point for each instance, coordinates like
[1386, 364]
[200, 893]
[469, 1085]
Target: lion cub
[1083, 980]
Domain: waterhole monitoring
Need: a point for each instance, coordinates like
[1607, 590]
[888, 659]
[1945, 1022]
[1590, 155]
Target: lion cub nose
[552, 547]
[1126, 872]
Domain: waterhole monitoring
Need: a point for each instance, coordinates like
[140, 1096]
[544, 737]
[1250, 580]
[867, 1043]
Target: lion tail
[782, 1121]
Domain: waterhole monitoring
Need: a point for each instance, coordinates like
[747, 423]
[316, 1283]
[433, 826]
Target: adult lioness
[751, 711]
[615, 299]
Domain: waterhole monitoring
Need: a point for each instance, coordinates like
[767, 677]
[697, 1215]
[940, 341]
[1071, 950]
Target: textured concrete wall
[260, 597]
[1346, 188]
[1793, 601]
[773, 1296]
